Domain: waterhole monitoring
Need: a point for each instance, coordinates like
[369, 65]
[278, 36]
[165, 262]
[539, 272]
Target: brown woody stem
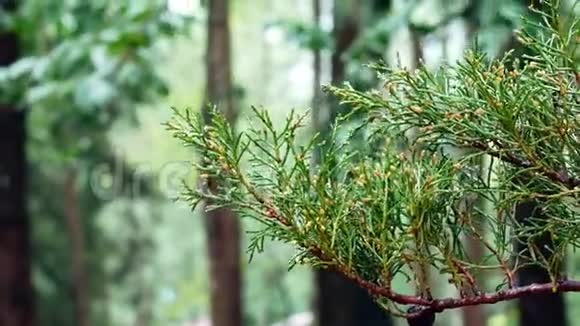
[508, 157]
[439, 305]
[426, 306]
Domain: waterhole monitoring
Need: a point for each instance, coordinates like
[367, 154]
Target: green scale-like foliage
[400, 205]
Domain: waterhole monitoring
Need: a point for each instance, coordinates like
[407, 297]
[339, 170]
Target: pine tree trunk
[77, 245]
[339, 301]
[16, 299]
[222, 226]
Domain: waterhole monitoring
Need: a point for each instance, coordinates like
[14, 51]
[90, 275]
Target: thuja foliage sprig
[397, 206]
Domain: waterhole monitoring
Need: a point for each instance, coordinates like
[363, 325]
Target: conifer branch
[372, 211]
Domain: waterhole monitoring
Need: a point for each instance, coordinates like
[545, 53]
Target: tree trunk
[543, 309]
[77, 244]
[16, 299]
[317, 68]
[339, 301]
[475, 315]
[346, 18]
[15, 289]
[222, 226]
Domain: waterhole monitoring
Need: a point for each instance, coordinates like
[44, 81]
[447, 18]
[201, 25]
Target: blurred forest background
[96, 80]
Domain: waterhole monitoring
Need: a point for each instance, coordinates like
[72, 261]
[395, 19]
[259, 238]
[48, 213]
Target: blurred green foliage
[85, 65]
